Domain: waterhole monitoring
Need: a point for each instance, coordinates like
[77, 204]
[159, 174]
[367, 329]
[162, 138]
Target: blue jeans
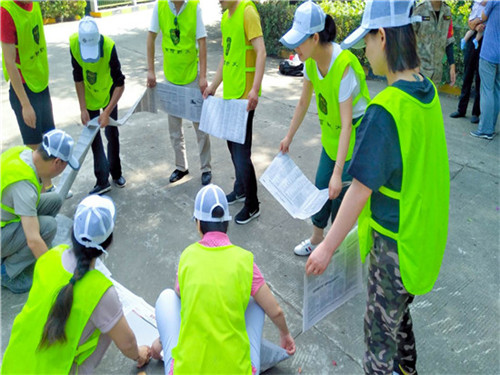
[323, 175]
[104, 166]
[246, 182]
[490, 96]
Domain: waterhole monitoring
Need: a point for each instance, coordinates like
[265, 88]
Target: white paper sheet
[341, 281]
[291, 188]
[226, 119]
[180, 101]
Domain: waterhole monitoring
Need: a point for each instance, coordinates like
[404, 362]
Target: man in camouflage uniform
[434, 38]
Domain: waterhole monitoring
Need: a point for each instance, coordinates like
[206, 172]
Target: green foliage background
[64, 9]
[277, 18]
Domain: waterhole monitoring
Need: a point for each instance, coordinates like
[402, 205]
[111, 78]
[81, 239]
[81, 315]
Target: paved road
[456, 325]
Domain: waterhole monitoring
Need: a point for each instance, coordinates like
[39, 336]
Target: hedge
[277, 18]
[61, 10]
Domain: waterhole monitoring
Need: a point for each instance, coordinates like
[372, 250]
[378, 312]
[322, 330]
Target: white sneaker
[304, 248]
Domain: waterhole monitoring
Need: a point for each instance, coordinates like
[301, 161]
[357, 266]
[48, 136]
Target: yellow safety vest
[96, 76]
[14, 169]
[23, 355]
[425, 190]
[234, 47]
[180, 55]
[327, 100]
[215, 285]
[31, 46]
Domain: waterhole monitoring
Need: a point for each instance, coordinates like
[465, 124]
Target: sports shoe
[457, 114]
[19, 284]
[100, 189]
[478, 134]
[232, 198]
[120, 182]
[304, 248]
[462, 44]
[476, 43]
[246, 215]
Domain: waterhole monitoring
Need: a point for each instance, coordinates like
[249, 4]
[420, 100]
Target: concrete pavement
[456, 325]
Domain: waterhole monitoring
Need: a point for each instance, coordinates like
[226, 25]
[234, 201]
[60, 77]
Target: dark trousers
[104, 166]
[246, 182]
[471, 70]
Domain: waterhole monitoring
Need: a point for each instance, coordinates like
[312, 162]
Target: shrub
[63, 9]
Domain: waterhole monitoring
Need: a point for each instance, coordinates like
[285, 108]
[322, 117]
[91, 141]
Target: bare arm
[265, 298]
[31, 228]
[9, 54]
[150, 48]
[260, 64]
[298, 115]
[212, 88]
[352, 205]
[202, 45]
[124, 338]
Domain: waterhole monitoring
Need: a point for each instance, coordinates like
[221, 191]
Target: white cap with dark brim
[309, 18]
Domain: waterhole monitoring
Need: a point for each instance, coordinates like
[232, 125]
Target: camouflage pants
[388, 326]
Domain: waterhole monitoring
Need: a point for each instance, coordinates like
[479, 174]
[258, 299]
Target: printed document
[226, 119]
[291, 188]
[180, 101]
[341, 281]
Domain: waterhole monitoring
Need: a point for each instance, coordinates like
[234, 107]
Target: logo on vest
[36, 34]
[323, 105]
[228, 45]
[175, 36]
[91, 77]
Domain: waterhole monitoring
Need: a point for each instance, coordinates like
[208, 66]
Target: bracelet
[338, 166]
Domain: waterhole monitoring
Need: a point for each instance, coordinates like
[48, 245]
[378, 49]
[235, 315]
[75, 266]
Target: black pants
[246, 182]
[104, 166]
[471, 70]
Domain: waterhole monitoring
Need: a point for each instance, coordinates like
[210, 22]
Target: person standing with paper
[212, 323]
[337, 78]
[242, 68]
[184, 43]
[400, 192]
[73, 311]
[99, 84]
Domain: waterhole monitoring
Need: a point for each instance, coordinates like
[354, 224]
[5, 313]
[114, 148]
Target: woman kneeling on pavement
[73, 311]
[337, 78]
[218, 326]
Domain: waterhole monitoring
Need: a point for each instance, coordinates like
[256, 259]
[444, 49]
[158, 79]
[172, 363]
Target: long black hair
[329, 33]
[55, 326]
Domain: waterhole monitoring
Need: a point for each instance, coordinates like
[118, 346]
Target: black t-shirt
[376, 159]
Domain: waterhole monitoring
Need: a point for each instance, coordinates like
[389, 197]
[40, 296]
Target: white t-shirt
[349, 85]
[477, 10]
[200, 26]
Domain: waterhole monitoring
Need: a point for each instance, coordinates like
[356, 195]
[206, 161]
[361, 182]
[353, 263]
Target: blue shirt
[490, 51]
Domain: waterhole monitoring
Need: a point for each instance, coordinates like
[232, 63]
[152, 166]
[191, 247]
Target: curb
[122, 10]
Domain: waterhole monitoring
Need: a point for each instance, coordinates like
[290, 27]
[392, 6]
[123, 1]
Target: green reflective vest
[215, 286]
[22, 355]
[425, 190]
[180, 55]
[327, 100]
[14, 169]
[31, 45]
[96, 76]
[234, 47]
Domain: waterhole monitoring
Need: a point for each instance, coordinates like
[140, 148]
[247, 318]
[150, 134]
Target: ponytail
[54, 329]
[329, 33]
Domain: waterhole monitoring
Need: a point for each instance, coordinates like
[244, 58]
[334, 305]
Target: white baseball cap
[59, 144]
[89, 37]
[309, 18]
[94, 221]
[381, 13]
[207, 199]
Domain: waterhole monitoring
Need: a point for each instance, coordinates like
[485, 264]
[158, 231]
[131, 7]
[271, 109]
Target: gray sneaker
[19, 284]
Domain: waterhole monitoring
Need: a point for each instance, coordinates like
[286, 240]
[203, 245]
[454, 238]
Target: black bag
[289, 69]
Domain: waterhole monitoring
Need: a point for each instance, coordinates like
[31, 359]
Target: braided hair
[54, 329]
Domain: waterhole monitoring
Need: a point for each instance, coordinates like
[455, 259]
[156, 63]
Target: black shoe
[457, 114]
[246, 215]
[100, 189]
[232, 198]
[19, 284]
[206, 178]
[177, 175]
[474, 119]
[120, 182]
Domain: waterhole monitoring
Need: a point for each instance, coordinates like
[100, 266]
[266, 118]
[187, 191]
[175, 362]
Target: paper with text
[341, 281]
[180, 101]
[225, 119]
[291, 188]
